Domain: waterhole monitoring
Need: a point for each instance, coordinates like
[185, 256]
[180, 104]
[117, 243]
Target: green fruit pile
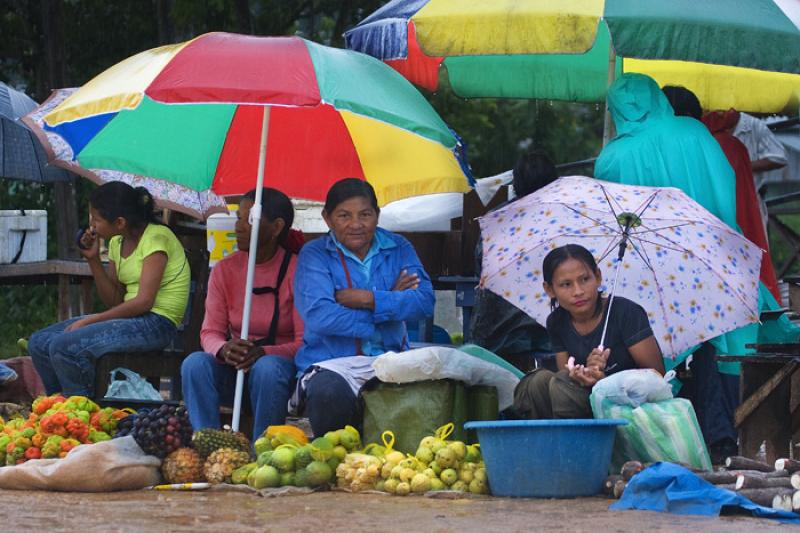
[438, 464]
[285, 461]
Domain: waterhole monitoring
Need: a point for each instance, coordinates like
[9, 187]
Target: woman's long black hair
[275, 205]
[559, 255]
[117, 199]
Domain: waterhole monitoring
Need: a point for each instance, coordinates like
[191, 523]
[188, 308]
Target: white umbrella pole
[622, 247]
[610, 301]
[255, 223]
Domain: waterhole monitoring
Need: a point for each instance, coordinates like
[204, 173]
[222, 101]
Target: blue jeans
[330, 403]
[7, 375]
[209, 383]
[65, 360]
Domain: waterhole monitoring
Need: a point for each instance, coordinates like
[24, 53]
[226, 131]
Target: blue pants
[208, 383]
[715, 397]
[330, 403]
[65, 361]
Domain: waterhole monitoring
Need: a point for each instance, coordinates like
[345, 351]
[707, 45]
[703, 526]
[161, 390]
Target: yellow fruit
[390, 485]
[424, 454]
[292, 431]
[448, 476]
[407, 474]
[446, 458]
[465, 475]
[394, 457]
[402, 488]
[420, 483]
[476, 486]
[459, 448]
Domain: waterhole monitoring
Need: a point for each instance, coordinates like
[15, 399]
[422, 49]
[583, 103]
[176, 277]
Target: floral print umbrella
[695, 276]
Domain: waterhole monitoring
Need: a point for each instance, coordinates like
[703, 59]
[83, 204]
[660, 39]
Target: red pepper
[78, 429]
[33, 453]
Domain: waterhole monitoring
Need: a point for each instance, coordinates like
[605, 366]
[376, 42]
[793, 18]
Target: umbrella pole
[255, 223]
[608, 124]
[622, 247]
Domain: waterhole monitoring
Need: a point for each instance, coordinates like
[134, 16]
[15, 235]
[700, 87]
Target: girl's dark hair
[117, 199]
[347, 188]
[683, 101]
[534, 169]
[559, 255]
[275, 205]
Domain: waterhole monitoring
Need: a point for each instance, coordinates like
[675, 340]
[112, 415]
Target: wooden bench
[770, 400]
[156, 365]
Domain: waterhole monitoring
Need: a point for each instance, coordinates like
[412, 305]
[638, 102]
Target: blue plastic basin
[546, 458]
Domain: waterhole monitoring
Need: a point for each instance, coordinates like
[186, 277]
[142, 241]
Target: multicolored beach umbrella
[185, 121]
[572, 49]
[224, 113]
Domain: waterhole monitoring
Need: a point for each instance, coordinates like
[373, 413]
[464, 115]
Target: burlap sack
[117, 464]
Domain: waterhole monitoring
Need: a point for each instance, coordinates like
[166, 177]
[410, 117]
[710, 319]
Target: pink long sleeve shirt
[225, 303]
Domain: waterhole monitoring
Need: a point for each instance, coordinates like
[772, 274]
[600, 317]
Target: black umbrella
[21, 155]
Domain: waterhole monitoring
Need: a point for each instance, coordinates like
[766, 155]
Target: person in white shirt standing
[766, 153]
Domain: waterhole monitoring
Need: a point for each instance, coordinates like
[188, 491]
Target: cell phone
[79, 237]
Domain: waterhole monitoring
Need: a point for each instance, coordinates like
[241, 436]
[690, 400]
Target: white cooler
[13, 225]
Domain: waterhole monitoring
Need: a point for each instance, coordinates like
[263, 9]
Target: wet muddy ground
[336, 511]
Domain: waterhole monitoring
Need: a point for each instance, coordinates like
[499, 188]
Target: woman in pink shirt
[276, 330]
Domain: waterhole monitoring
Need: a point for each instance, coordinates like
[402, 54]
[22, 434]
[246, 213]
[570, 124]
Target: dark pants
[330, 403]
[715, 397]
[543, 394]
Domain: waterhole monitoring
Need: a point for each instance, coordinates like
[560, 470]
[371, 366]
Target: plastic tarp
[112, 465]
[439, 362]
[669, 488]
[414, 410]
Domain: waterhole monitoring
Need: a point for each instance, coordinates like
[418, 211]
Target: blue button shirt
[330, 329]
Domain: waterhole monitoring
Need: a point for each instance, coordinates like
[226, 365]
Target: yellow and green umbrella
[572, 49]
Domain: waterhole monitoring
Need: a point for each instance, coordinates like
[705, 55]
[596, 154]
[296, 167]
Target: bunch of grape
[163, 430]
[125, 426]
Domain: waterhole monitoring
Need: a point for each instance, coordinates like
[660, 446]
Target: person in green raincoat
[653, 147]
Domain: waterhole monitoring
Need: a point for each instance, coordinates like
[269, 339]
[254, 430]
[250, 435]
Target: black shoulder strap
[269, 340]
[21, 242]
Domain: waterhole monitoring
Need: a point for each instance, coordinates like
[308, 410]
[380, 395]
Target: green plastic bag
[413, 410]
[656, 431]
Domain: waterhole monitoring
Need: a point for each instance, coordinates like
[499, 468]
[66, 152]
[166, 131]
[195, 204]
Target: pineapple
[206, 441]
[184, 465]
[221, 463]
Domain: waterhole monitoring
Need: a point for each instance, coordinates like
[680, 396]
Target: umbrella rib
[659, 244]
[650, 230]
[596, 221]
[647, 204]
[608, 250]
[611, 206]
[661, 294]
[716, 274]
[516, 256]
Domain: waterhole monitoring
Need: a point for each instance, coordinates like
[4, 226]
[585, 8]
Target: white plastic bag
[133, 387]
[117, 464]
[440, 362]
[633, 387]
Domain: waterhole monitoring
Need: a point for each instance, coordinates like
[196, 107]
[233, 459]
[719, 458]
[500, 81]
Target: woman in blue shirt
[354, 288]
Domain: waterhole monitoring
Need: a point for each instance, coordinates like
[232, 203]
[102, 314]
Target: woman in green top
[145, 286]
